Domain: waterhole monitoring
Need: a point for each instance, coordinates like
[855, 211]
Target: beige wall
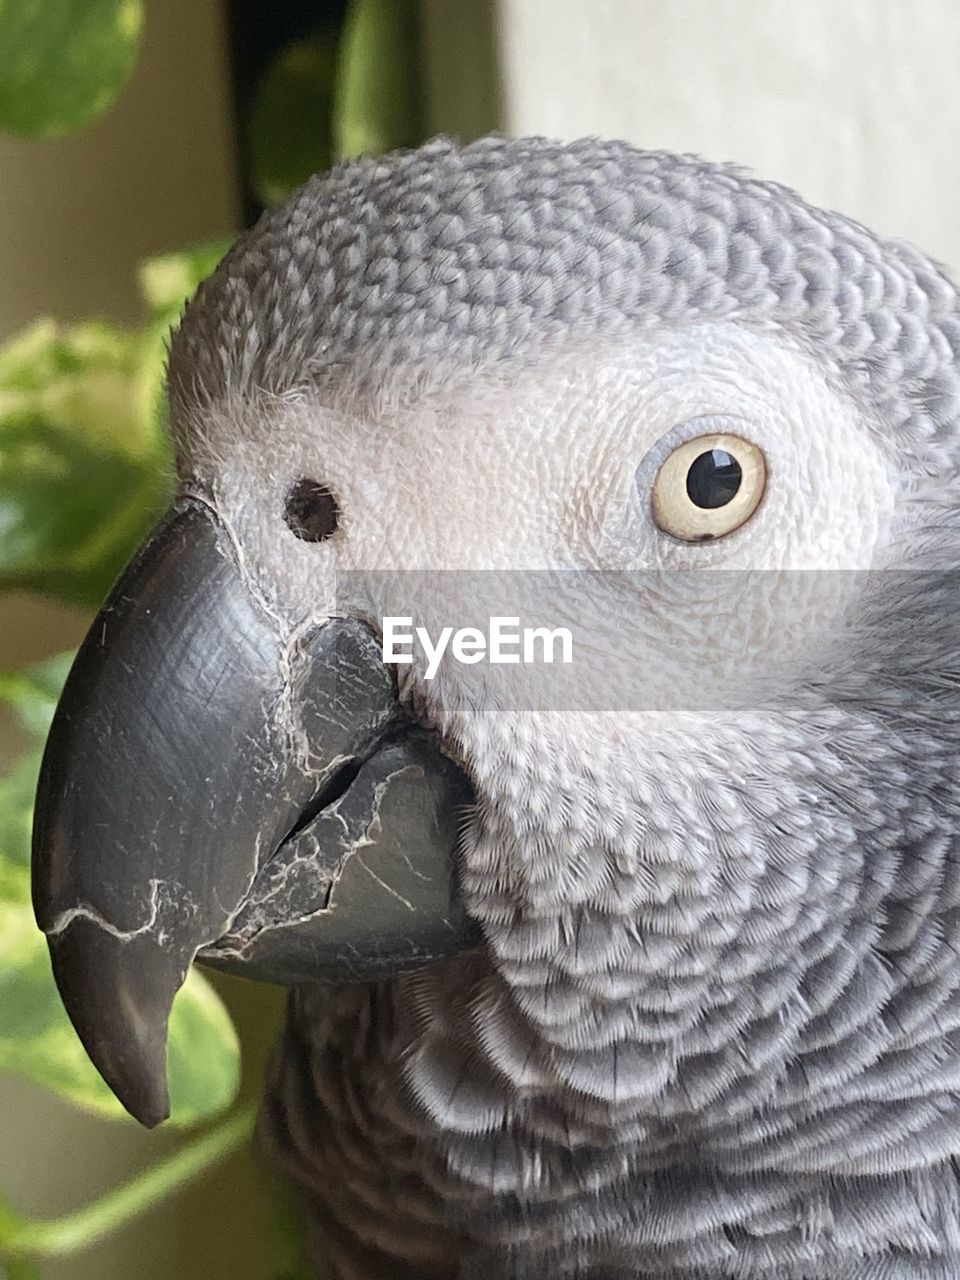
[856, 103]
[155, 173]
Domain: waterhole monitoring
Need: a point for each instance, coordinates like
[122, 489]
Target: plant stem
[75, 1231]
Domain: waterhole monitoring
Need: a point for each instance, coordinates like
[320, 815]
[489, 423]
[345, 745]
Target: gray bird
[659, 979]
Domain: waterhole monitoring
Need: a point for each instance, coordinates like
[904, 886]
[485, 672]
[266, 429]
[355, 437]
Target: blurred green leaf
[84, 468]
[36, 1038]
[31, 696]
[63, 62]
[289, 130]
[17, 790]
[85, 464]
[203, 1054]
[70, 512]
[377, 98]
[79, 377]
[168, 281]
[32, 693]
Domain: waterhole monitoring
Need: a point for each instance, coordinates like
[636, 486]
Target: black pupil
[312, 512]
[713, 479]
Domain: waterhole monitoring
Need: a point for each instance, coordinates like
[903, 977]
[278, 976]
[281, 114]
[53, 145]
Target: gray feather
[756, 1076]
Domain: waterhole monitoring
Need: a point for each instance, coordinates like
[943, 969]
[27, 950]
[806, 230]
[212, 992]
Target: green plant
[63, 62]
[85, 468]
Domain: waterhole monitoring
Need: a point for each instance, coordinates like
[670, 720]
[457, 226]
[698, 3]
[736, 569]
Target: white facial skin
[553, 467]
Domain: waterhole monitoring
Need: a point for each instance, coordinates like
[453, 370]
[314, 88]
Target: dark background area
[257, 31]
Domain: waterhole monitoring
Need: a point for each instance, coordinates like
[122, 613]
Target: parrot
[654, 975]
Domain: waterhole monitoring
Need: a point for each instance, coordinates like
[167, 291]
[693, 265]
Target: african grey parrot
[609, 988]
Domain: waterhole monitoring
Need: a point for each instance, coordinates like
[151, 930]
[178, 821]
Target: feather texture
[714, 1033]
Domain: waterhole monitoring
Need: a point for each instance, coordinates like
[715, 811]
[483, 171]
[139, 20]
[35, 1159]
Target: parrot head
[518, 356]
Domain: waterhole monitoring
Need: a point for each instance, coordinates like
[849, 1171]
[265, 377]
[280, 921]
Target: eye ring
[311, 511]
[708, 487]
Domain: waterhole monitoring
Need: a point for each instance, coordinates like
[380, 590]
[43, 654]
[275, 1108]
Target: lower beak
[210, 786]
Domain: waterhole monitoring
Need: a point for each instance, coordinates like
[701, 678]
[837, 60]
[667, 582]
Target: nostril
[312, 512]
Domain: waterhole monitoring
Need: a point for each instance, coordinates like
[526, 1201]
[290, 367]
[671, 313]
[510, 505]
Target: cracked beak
[208, 789]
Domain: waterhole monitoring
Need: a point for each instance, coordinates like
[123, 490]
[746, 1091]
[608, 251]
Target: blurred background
[217, 109]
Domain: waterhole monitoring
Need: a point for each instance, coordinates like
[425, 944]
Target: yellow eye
[708, 487]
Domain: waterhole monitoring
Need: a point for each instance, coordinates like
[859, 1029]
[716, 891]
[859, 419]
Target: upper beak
[208, 783]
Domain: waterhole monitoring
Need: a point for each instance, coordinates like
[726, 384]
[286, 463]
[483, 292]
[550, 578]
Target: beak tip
[148, 1106]
[135, 1071]
[120, 1015]
[137, 1074]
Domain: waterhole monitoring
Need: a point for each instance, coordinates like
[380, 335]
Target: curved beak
[211, 784]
